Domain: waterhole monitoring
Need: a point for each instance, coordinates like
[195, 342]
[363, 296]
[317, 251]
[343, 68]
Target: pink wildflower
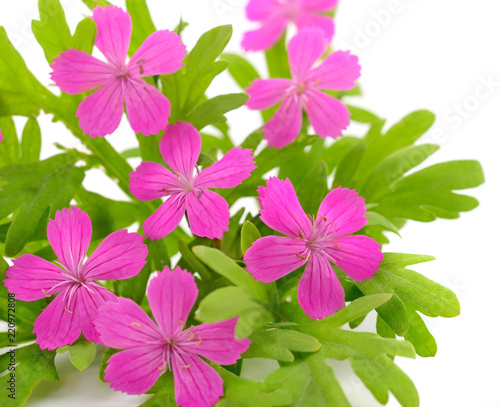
[275, 15]
[328, 116]
[150, 349]
[314, 242]
[120, 82]
[186, 185]
[121, 255]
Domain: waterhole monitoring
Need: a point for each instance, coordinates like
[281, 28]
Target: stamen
[140, 61]
[136, 324]
[186, 366]
[198, 194]
[301, 235]
[324, 218]
[163, 366]
[302, 256]
[45, 293]
[68, 310]
[165, 190]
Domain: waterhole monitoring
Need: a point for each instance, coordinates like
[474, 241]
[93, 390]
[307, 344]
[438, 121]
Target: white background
[415, 54]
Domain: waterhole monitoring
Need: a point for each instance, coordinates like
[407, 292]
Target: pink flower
[274, 16]
[328, 116]
[121, 255]
[150, 349]
[120, 82]
[186, 185]
[314, 242]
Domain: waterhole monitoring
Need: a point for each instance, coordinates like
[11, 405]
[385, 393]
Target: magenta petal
[148, 109]
[120, 255]
[218, 343]
[230, 171]
[338, 72]
[124, 324]
[114, 29]
[318, 5]
[75, 71]
[180, 147]
[59, 323]
[284, 126]
[273, 257]
[325, 23]
[266, 36]
[196, 383]
[281, 209]
[69, 234]
[171, 295]
[101, 112]
[320, 293]
[265, 93]
[305, 49]
[160, 54]
[135, 371]
[165, 219]
[259, 10]
[345, 209]
[328, 116]
[33, 278]
[151, 181]
[358, 256]
[208, 214]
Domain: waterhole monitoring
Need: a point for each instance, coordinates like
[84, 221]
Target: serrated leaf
[241, 70]
[249, 234]
[212, 111]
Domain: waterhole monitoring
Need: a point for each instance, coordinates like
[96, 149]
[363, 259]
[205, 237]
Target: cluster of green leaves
[376, 165]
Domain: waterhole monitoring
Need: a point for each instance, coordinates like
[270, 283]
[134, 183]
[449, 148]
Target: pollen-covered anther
[136, 325]
[163, 366]
[186, 366]
[66, 309]
[301, 235]
[45, 293]
[324, 218]
[303, 257]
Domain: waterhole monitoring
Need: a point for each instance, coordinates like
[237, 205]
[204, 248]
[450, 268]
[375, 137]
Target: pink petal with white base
[151, 181]
[281, 209]
[320, 293]
[265, 93]
[160, 54]
[148, 109]
[230, 171]
[180, 147]
[325, 23]
[208, 214]
[284, 126]
[32, 278]
[305, 49]
[266, 36]
[358, 256]
[101, 112]
[273, 257]
[196, 383]
[120, 255]
[338, 72]
[166, 218]
[345, 209]
[328, 116]
[69, 234]
[218, 343]
[171, 295]
[75, 71]
[135, 371]
[114, 29]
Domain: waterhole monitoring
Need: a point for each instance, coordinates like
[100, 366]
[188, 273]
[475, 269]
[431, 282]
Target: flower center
[319, 237]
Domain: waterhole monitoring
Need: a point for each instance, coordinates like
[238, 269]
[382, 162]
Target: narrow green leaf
[31, 143]
[10, 143]
[242, 71]
[313, 188]
[277, 60]
[84, 36]
[94, 3]
[212, 111]
[419, 335]
[194, 264]
[142, 24]
[249, 234]
[376, 219]
[361, 115]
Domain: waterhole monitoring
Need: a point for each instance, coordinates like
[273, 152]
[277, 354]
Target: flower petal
[216, 342]
[281, 209]
[196, 383]
[358, 256]
[305, 49]
[114, 29]
[148, 109]
[160, 54]
[75, 71]
[338, 72]
[135, 371]
[165, 219]
[345, 209]
[265, 93]
[320, 293]
[284, 126]
[120, 255]
[151, 181]
[318, 5]
[32, 278]
[266, 36]
[272, 257]
[324, 23]
[259, 10]
[180, 147]
[123, 325]
[102, 111]
[208, 214]
[171, 295]
[328, 116]
[69, 234]
[230, 171]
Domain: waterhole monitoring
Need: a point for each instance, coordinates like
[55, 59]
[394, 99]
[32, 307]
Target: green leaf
[240, 69]
[277, 60]
[142, 24]
[376, 219]
[312, 189]
[84, 36]
[29, 189]
[31, 143]
[94, 3]
[10, 143]
[81, 353]
[212, 111]
[419, 335]
[194, 264]
[249, 234]
[361, 115]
